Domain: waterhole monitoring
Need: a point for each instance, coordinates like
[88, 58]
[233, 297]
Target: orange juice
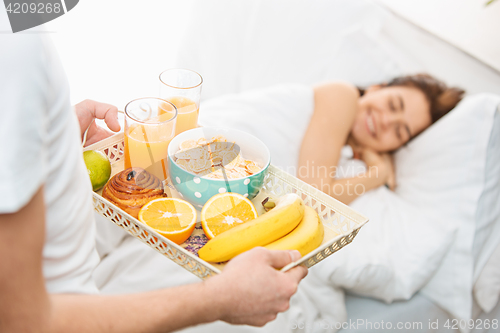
[187, 113]
[147, 147]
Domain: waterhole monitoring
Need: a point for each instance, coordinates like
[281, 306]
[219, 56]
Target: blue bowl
[197, 190]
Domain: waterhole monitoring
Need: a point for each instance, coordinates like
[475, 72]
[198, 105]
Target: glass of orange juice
[182, 87]
[149, 128]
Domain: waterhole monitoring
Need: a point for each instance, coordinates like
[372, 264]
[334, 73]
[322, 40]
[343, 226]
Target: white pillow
[442, 172]
[487, 238]
[394, 255]
[487, 286]
[422, 234]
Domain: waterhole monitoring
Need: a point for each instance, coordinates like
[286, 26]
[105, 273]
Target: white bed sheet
[401, 275]
[226, 71]
[134, 267]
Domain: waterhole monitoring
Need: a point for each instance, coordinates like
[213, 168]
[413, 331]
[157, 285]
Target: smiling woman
[391, 114]
[389, 117]
[374, 122]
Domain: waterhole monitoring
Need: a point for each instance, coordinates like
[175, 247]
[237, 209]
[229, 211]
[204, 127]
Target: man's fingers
[279, 259]
[99, 134]
[107, 112]
[111, 118]
[297, 273]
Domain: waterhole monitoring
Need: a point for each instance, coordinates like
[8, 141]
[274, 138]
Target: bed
[249, 46]
[251, 53]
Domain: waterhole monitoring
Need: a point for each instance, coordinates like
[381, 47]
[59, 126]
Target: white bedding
[293, 47]
[391, 261]
[392, 258]
[278, 116]
[419, 314]
[423, 229]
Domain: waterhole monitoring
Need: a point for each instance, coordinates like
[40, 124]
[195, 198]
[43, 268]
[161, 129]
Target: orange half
[171, 217]
[225, 211]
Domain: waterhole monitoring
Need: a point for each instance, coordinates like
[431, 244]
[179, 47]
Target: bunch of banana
[306, 237]
[261, 231]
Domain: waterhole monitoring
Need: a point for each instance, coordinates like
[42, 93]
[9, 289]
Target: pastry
[133, 188]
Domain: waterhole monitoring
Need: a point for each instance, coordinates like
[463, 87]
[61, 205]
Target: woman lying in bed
[374, 122]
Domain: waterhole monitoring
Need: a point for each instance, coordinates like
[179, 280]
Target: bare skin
[374, 125]
[87, 111]
[388, 117]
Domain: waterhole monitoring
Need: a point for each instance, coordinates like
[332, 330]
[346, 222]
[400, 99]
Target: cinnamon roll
[133, 188]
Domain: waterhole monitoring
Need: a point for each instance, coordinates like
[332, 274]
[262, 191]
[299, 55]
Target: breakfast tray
[341, 223]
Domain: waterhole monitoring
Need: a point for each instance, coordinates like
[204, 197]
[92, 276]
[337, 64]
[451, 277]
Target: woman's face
[388, 117]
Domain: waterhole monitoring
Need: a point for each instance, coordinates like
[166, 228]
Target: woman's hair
[442, 98]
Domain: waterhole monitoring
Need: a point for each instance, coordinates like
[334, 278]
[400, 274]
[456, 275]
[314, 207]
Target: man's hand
[87, 111]
[252, 291]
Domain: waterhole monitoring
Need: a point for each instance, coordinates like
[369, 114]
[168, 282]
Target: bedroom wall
[114, 50]
[467, 24]
[314, 41]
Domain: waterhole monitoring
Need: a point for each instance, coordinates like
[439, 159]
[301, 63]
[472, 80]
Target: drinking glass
[182, 87]
[149, 128]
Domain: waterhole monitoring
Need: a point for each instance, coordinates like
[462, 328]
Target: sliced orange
[171, 217]
[224, 211]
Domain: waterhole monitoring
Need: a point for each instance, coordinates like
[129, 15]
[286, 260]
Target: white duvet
[395, 255]
[391, 258]
[278, 116]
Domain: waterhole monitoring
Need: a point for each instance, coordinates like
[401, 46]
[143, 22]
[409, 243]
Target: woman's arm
[348, 189]
[249, 291]
[335, 108]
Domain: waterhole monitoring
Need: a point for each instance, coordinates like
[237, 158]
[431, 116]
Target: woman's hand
[380, 166]
[87, 111]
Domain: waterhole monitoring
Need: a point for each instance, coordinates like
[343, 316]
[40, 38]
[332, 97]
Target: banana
[306, 237]
[261, 231]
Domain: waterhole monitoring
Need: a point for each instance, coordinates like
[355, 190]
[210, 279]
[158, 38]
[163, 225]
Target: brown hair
[442, 98]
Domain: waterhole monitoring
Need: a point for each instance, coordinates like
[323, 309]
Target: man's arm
[24, 306]
[250, 291]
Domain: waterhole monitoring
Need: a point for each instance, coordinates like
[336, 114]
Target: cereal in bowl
[215, 159]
